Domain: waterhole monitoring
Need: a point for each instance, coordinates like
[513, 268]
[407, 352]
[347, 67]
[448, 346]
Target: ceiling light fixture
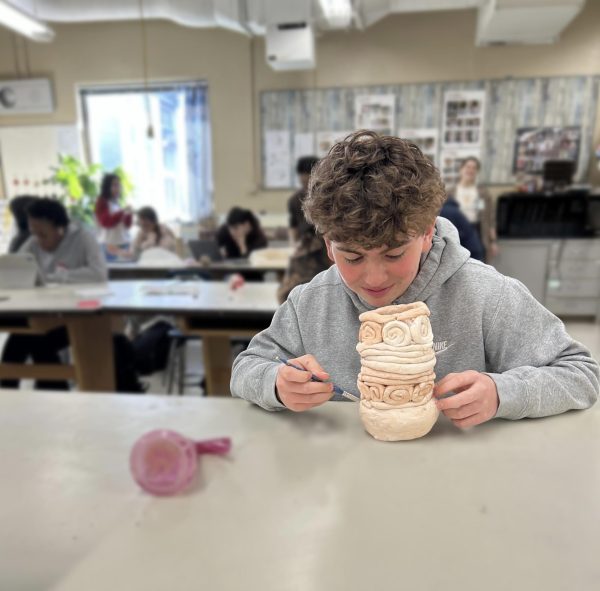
[24, 24]
[338, 13]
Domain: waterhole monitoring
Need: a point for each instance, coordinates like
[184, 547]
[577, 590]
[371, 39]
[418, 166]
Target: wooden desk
[306, 501]
[215, 313]
[35, 311]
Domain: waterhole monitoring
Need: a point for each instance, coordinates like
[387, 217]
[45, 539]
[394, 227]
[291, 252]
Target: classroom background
[179, 137]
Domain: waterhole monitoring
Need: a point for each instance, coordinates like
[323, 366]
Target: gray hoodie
[481, 320]
[78, 258]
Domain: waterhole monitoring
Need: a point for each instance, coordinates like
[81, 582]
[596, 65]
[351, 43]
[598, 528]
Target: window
[171, 168]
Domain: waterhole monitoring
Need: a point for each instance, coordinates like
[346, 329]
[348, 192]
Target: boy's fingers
[453, 382]
[309, 388]
[463, 412]
[291, 374]
[456, 401]
[311, 364]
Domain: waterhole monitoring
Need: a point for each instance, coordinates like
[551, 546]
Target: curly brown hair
[373, 190]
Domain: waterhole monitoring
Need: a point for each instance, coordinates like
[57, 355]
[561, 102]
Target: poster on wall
[278, 160]
[25, 170]
[326, 139]
[535, 145]
[376, 112]
[463, 114]
[450, 162]
[426, 139]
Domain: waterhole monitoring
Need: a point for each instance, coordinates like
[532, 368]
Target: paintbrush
[314, 378]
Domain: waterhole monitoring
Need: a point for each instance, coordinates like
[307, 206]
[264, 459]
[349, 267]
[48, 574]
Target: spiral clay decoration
[396, 378]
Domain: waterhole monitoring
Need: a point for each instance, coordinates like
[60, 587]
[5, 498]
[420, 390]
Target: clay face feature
[396, 378]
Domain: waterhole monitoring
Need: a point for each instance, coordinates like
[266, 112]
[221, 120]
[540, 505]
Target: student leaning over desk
[375, 200]
[65, 253]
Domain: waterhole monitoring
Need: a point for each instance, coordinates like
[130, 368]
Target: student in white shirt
[477, 205]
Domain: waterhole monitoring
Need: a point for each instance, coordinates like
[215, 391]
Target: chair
[176, 363]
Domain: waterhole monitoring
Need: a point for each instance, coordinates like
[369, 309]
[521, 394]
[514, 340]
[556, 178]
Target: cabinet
[563, 274]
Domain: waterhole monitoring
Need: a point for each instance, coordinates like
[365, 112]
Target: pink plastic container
[164, 462]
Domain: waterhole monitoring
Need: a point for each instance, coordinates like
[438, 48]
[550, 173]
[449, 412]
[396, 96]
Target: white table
[207, 309]
[306, 501]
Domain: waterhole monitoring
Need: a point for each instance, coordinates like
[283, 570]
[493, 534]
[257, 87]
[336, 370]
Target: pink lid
[163, 462]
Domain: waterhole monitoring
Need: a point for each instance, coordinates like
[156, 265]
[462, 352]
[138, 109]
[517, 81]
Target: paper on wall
[463, 114]
[425, 138]
[376, 112]
[326, 139]
[277, 160]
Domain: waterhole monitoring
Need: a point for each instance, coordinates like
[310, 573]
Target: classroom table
[306, 501]
[214, 270]
[207, 309]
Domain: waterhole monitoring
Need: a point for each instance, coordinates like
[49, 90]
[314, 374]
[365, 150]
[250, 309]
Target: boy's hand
[476, 399]
[294, 388]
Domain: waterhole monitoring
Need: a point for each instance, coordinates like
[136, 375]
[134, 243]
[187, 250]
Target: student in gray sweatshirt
[64, 253]
[500, 353]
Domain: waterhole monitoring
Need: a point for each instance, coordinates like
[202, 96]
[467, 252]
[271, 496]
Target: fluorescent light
[338, 13]
[24, 24]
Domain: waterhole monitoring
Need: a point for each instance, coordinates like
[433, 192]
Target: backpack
[151, 348]
[126, 374]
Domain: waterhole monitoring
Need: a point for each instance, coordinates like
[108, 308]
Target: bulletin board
[299, 122]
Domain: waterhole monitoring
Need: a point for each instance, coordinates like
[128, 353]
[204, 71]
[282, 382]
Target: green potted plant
[80, 186]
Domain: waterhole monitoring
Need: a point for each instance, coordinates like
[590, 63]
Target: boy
[375, 200]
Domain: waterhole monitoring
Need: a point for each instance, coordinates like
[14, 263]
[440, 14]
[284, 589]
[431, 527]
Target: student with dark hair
[65, 253]
[297, 221]
[152, 233]
[18, 207]
[114, 222]
[310, 254]
[240, 234]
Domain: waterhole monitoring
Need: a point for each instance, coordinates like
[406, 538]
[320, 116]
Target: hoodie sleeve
[539, 370]
[255, 369]
[94, 270]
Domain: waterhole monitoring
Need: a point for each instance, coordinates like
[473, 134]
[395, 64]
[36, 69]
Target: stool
[177, 361]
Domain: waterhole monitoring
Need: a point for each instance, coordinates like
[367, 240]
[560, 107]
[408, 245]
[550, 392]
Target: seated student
[18, 207]
[64, 253]
[375, 200]
[240, 234]
[467, 234]
[152, 233]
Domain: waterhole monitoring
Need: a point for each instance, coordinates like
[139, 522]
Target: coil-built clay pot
[396, 377]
